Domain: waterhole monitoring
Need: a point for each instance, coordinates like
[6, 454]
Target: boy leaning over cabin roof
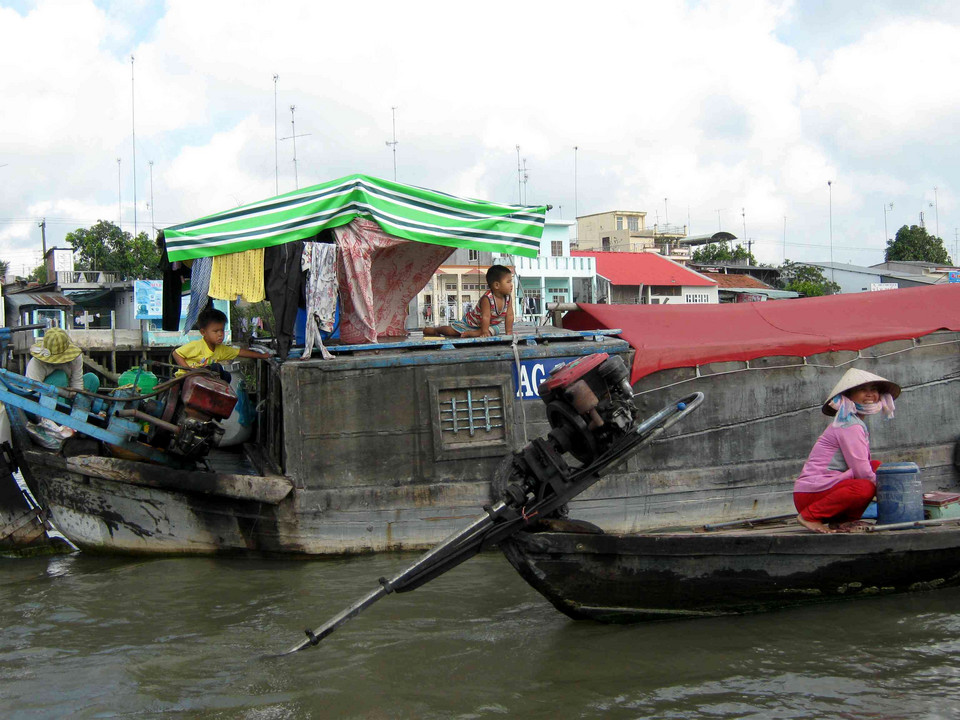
[494, 309]
[209, 351]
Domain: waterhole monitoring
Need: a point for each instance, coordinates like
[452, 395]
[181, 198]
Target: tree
[38, 274]
[4, 268]
[915, 243]
[805, 279]
[106, 247]
[721, 253]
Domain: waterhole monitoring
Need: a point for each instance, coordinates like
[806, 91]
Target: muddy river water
[90, 637]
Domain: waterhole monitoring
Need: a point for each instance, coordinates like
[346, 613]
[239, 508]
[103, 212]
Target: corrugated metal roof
[22, 299]
[630, 268]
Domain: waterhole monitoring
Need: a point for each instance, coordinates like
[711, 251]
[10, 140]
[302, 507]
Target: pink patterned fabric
[379, 276]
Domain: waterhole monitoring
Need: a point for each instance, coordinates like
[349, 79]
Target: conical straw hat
[55, 347]
[853, 378]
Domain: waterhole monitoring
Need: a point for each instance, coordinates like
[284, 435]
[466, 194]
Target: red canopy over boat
[670, 336]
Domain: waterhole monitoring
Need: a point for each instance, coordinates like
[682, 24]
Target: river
[90, 637]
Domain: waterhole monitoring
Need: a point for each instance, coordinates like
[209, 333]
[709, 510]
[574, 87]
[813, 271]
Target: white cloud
[705, 104]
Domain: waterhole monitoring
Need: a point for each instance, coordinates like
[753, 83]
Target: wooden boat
[356, 454]
[676, 574]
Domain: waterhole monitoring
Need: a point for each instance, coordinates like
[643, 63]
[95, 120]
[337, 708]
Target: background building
[627, 231]
[649, 279]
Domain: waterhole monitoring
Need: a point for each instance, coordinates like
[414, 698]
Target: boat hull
[361, 441]
[636, 578]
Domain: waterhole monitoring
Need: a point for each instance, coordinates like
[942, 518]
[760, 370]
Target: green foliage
[4, 268]
[38, 274]
[106, 247]
[915, 243]
[721, 253]
[806, 280]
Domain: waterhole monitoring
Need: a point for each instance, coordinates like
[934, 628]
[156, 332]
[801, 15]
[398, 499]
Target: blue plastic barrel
[899, 493]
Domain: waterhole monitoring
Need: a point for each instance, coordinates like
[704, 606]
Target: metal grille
[472, 411]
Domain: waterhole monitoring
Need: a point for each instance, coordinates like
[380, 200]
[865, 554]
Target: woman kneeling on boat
[838, 480]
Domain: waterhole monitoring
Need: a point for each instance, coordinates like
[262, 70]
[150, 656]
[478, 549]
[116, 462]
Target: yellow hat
[55, 347]
[853, 378]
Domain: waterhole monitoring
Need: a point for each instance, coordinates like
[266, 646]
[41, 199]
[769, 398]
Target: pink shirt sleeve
[856, 451]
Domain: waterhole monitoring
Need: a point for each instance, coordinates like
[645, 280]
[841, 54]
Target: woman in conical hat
[56, 351]
[838, 480]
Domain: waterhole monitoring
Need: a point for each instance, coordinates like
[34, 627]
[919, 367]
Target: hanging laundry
[199, 284]
[320, 262]
[284, 288]
[238, 274]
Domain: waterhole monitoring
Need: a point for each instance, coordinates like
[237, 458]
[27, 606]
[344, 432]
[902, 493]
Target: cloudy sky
[716, 114]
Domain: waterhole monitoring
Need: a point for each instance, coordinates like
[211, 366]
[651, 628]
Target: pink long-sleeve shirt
[840, 453]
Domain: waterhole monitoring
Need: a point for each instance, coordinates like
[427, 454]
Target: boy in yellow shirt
[209, 350]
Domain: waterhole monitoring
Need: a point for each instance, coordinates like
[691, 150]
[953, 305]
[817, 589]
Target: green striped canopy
[405, 211]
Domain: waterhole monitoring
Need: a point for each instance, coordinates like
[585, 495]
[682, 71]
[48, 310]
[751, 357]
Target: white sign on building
[884, 286]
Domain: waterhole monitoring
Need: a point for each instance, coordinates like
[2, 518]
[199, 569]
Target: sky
[717, 115]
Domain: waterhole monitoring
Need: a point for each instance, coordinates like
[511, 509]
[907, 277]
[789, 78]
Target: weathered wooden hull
[634, 578]
[361, 440]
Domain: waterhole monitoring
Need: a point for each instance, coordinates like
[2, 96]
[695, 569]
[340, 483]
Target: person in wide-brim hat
[56, 351]
[838, 480]
[854, 378]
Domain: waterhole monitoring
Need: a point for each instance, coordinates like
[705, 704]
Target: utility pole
[519, 179]
[833, 275]
[784, 238]
[576, 205]
[276, 142]
[743, 214]
[719, 228]
[133, 124]
[153, 224]
[119, 202]
[886, 207]
[936, 209]
[393, 111]
[666, 217]
[43, 236]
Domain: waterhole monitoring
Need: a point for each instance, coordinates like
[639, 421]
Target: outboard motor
[589, 404]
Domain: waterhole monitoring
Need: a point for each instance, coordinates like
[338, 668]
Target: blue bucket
[899, 493]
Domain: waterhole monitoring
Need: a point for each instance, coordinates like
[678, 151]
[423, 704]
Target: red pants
[843, 502]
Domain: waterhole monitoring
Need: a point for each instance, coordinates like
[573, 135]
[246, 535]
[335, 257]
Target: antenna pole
[293, 135]
[276, 142]
[393, 111]
[519, 179]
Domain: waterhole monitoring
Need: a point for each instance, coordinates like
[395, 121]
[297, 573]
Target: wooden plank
[270, 489]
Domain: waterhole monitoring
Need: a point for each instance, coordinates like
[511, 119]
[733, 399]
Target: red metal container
[208, 396]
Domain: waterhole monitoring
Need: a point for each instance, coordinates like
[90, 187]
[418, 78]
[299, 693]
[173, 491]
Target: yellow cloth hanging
[236, 274]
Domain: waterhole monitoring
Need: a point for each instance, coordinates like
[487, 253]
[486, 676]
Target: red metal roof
[736, 280]
[671, 336]
[643, 268]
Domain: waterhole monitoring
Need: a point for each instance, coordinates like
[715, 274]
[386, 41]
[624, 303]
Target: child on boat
[485, 318]
[209, 351]
[838, 480]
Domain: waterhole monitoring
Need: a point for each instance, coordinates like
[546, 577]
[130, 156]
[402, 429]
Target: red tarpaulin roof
[642, 268]
[670, 336]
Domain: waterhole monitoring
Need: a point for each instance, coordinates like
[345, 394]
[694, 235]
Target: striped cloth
[404, 211]
[199, 284]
